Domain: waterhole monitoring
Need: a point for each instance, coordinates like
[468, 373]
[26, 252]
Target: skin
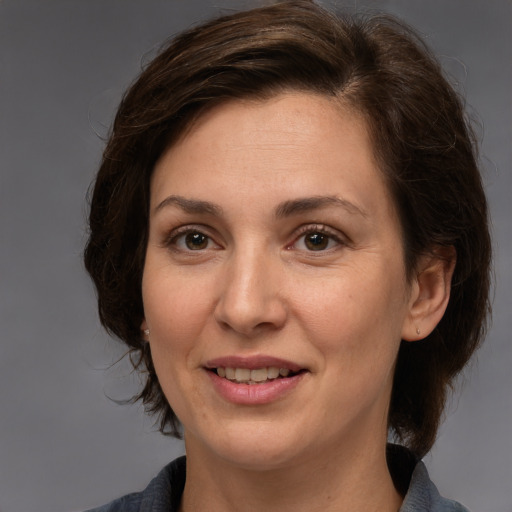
[255, 286]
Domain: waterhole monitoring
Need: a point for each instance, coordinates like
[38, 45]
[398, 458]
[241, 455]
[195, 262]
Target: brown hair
[421, 139]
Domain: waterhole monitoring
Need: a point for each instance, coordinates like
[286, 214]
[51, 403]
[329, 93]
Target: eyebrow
[307, 204]
[285, 209]
[190, 205]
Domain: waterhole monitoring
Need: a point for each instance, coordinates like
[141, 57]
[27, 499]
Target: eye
[189, 239]
[195, 241]
[316, 239]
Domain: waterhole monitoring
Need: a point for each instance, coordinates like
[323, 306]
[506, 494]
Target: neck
[351, 479]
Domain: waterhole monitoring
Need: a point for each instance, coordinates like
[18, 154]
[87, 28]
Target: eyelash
[173, 238]
[318, 228]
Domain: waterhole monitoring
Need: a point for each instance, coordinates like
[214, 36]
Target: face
[274, 286]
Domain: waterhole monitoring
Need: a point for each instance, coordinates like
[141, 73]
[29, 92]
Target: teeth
[273, 372]
[259, 375]
[242, 374]
[252, 376]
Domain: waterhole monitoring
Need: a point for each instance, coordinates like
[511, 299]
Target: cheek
[176, 311]
[175, 314]
[175, 308]
[355, 317]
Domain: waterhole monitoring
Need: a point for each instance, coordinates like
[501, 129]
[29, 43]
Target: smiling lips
[253, 381]
[256, 376]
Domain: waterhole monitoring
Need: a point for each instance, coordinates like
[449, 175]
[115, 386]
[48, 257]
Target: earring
[418, 332]
[146, 332]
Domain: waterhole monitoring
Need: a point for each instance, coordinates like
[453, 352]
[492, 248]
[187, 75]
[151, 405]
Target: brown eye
[196, 241]
[316, 241]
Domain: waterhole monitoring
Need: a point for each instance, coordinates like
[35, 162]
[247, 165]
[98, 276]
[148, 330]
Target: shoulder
[163, 494]
[424, 496]
[412, 480]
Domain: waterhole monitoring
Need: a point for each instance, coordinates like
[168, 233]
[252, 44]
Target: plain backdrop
[65, 445]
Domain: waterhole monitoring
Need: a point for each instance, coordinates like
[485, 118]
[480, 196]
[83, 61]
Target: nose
[251, 300]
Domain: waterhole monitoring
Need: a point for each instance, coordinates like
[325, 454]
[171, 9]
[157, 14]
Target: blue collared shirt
[163, 494]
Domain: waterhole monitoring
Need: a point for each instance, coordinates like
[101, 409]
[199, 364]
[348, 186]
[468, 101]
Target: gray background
[64, 445]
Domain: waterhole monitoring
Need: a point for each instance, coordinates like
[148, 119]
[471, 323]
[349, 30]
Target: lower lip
[254, 394]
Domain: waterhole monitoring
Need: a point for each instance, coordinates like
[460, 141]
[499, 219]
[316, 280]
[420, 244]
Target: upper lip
[252, 363]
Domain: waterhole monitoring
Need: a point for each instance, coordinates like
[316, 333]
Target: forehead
[290, 113]
[296, 143]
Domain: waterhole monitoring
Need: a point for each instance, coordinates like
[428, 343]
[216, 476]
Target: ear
[430, 293]
[144, 329]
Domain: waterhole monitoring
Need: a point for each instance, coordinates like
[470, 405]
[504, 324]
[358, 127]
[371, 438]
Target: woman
[289, 231]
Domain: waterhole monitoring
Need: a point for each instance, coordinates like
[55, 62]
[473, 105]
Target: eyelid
[334, 234]
[169, 240]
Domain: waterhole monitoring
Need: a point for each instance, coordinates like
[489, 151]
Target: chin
[258, 446]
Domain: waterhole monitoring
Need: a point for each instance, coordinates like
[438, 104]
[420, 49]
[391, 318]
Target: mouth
[254, 376]
[254, 380]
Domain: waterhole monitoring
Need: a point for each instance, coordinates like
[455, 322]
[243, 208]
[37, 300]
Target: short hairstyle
[422, 142]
